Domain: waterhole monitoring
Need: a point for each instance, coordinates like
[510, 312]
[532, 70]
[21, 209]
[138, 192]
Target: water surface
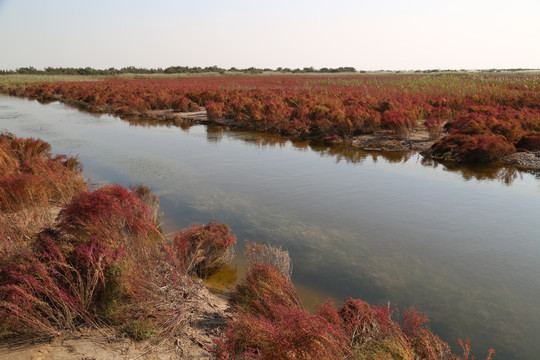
[461, 244]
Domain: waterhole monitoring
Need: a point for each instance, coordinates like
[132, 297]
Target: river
[460, 243]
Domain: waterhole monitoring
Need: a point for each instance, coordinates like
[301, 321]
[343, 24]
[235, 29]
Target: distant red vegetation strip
[486, 116]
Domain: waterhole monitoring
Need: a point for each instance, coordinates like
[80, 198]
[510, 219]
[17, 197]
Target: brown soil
[527, 160]
[386, 140]
[206, 319]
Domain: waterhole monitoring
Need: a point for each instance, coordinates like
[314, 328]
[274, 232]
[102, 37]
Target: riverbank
[470, 118]
[381, 140]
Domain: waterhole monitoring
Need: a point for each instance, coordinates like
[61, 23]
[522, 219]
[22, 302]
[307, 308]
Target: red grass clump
[290, 333]
[82, 268]
[54, 288]
[469, 148]
[31, 177]
[203, 249]
[399, 121]
[33, 184]
[112, 215]
[264, 285]
[530, 141]
[214, 110]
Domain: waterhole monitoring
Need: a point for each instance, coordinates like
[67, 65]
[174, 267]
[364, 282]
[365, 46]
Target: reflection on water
[347, 153]
[461, 243]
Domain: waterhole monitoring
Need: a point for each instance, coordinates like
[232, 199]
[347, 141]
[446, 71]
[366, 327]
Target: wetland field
[395, 189]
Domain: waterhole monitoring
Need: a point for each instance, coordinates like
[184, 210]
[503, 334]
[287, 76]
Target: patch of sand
[205, 320]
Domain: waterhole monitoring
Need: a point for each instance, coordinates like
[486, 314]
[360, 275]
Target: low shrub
[33, 184]
[84, 269]
[421, 339]
[112, 215]
[264, 286]
[214, 110]
[35, 292]
[291, 333]
[399, 121]
[363, 322]
[31, 177]
[203, 249]
[468, 148]
[530, 141]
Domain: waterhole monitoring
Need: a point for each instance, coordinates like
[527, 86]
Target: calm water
[463, 245]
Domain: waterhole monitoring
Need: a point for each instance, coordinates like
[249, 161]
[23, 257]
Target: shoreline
[382, 140]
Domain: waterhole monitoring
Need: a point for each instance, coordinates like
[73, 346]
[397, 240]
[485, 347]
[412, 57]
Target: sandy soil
[207, 317]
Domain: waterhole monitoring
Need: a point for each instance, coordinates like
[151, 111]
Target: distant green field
[14, 79]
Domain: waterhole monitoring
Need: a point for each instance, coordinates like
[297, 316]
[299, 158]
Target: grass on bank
[99, 259]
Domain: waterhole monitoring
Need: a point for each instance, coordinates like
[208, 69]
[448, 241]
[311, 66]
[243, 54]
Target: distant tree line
[212, 69]
[170, 70]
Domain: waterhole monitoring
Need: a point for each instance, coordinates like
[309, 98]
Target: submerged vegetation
[98, 258]
[471, 117]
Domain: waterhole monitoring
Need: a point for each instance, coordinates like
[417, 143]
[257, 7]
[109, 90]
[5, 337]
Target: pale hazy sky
[369, 35]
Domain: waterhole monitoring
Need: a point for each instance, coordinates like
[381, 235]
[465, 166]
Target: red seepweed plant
[202, 249]
[33, 184]
[104, 260]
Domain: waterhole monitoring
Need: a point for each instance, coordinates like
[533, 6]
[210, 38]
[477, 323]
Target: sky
[368, 35]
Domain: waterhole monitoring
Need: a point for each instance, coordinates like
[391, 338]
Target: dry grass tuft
[257, 253]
